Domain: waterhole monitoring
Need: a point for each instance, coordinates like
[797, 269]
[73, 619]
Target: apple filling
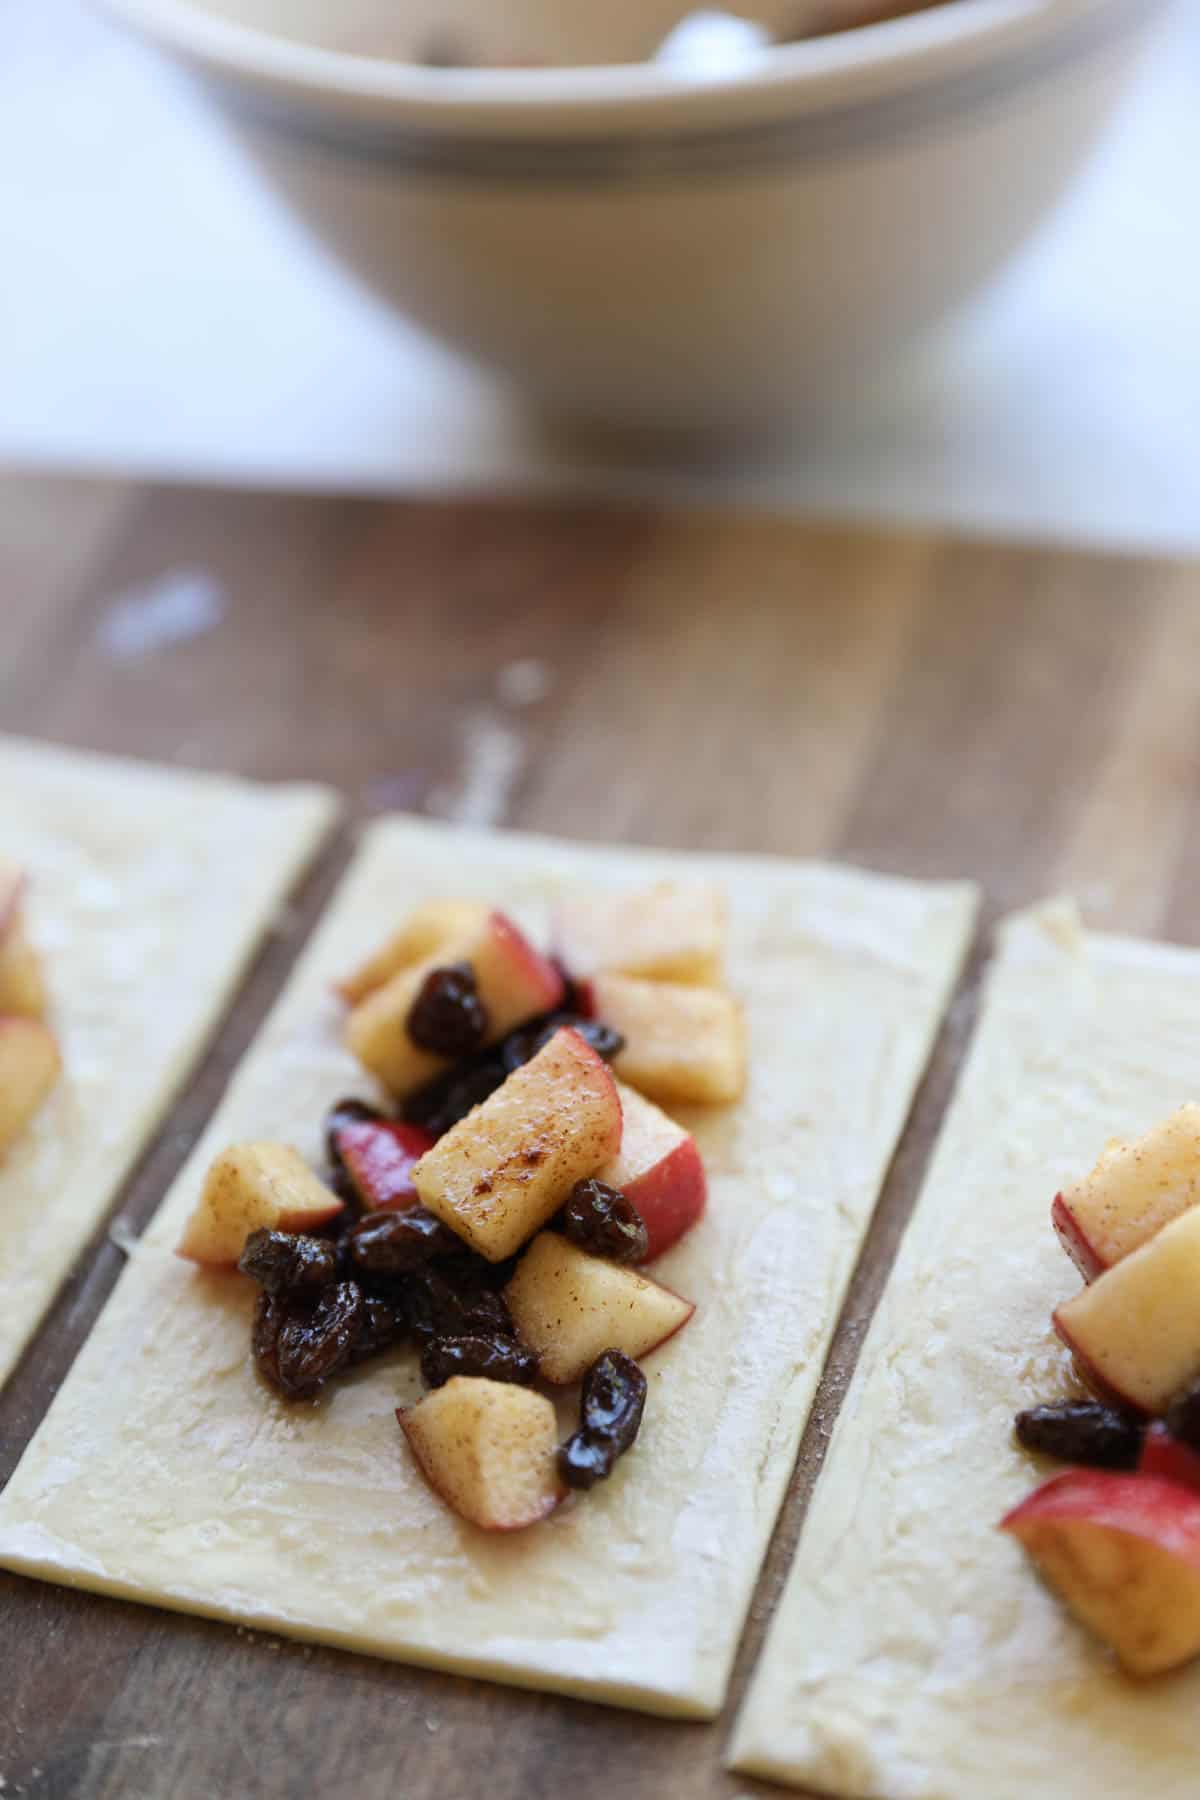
[1118, 1536]
[493, 1217]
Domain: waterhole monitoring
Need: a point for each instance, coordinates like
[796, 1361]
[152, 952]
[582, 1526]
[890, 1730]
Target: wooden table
[1023, 716]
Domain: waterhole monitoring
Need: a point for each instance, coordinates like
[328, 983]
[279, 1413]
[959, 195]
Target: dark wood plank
[910, 703]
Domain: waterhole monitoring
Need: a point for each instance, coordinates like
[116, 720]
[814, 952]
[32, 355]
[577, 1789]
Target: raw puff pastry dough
[915, 1655]
[165, 1471]
[148, 890]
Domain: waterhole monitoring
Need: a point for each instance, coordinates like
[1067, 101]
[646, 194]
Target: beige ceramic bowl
[639, 248]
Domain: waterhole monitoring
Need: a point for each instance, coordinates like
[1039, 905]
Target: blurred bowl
[633, 247]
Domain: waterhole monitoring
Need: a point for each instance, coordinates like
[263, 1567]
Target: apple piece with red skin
[254, 1187]
[500, 1173]
[488, 1449]
[681, 1043]
[570, 1306]
[515, 983]
[674, 931]
[1166, 1455]
[30, 1064]
[659, 1170]
[426, 932]
[1123, 1554]
[1069, 1233]
[375, 1157]
[1137, 1186]
[1135, 1332]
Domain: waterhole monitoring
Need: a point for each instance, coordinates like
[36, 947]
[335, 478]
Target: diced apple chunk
[1135, 1332]
[253, 1187]
[569, 1306]
[500, 1173]
[488, 1449]
[659, 1169]
[514, 982]
[426, 932]
[1137, 1186]
[681, 1043]
[30, 1065]
[1123, 1553]
[674, 931]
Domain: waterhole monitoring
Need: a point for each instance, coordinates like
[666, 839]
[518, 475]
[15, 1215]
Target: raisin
[392, 1243]
[1082, 1431]
[604, 1039]
[1183, 1417]
[613, 1399]
[439, 1306]
[522, 1045]
[314, 1344]
[485, 1310]
[270, 1313]
[473, 1271]
[442, 1103]
[384, 1323]
[610, 1416]
[283, 1262]
[583, 1460]
[447, 1016]
[603, 1220]
[495, 1357]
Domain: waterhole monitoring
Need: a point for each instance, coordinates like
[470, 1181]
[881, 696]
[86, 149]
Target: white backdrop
[159, 313]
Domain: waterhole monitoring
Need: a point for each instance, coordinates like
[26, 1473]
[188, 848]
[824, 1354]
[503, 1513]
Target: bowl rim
[862, 58]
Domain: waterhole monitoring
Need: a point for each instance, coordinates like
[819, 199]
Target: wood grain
[1027, 717]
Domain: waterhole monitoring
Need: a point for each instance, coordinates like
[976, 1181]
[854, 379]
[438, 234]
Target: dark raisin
[610, 1415]
[605, 1041]
[485, 1310]
[447, 1016]
[613, 1399]
[392, 1243]
[584, 1460]
[1183, 1417]
[473, 1271]
[522, 1045]
[314, 1344]
[384, 1323]
[442, 1103]
[496, 1358]
[441, 1306]
[603, 1220]
[282, 1262]
[270, 1314]
[1082, 1431]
